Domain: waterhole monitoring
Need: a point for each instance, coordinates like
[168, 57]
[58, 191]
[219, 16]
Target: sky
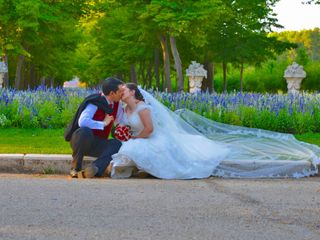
[293, 15]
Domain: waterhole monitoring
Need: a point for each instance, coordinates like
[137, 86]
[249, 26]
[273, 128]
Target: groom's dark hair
[111, 84]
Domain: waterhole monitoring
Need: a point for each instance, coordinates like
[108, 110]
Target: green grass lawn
[51, 141]
[14, 140]
[313, 138]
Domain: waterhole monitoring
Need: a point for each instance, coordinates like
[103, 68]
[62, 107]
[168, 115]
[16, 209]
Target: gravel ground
[56, 207]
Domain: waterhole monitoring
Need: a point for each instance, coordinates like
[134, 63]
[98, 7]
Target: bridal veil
[253, 153]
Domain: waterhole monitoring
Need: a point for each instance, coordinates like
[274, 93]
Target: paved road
[55, 207]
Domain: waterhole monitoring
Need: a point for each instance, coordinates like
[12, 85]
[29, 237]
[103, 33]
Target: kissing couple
[176, 145]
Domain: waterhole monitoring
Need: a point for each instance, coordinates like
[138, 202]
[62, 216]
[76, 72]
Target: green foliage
[283, 121]
[269, 77]
[267, 120]
[312, 80]
[317, 119]
[4, 121]
[44, 33]
[11, 112]
[249, 117]
[25, 118]
[308, 42]
[297, 123]
[49, 115]
[303, 122]
[96, 39]
[302, 56]
[232, 118]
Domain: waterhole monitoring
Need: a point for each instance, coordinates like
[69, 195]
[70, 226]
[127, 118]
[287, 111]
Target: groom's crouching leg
[80, 143]
[90, 172]
[104, 160]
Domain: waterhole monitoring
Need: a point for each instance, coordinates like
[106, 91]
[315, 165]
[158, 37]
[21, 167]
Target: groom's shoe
[90, 171]
[76, 174]
[73, 173]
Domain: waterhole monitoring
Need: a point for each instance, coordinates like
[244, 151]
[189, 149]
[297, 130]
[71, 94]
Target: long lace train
[257, 153]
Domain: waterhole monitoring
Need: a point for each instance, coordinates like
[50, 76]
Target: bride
[184, 145]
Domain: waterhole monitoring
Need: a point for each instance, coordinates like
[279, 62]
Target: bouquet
[122, 132]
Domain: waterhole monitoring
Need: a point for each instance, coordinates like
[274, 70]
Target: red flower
[122, 133]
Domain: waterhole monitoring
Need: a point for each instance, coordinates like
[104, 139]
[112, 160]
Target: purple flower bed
[54, 108]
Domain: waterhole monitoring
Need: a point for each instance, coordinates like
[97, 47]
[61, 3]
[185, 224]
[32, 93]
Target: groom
[89, 130]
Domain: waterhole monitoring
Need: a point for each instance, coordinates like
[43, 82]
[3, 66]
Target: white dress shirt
[86, 117]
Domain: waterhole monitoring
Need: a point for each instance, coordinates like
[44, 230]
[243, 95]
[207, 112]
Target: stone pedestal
[195, 84]
[293, 85]
[3, 70]
[1, 79]
[294, 74]
[196, 73]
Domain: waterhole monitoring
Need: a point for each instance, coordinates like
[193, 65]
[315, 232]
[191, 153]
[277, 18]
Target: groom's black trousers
[84, 143]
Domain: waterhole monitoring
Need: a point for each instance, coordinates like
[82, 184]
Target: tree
[178, 19]
[241, 35]
[40, 34]
[308, 39]
[122, 42]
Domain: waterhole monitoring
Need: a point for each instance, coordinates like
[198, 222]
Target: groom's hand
[108, 119]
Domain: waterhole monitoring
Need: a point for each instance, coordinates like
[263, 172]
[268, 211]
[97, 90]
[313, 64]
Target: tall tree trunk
[119, 76]
[32, 82]
[6, 75]
[51, 79]
[224, 67]
[37, 79]
[241, 77]
[149, 75]
[207, 82]
[166, 62]
[133, 74]
[43, 81]
[177, 63]
[156, 67]
[213, 90]
[142, 73]
[162, 81]
[20, 63]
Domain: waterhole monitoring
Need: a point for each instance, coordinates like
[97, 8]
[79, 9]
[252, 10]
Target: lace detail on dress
[133, 120]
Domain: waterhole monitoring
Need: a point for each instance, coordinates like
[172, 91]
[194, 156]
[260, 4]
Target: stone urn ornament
[3, 70]
[196, 73]
[294, 74]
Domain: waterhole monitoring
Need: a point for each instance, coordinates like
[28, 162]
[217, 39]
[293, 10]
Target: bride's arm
[147, 123]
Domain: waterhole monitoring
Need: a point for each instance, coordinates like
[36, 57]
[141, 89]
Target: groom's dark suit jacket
[95, 99]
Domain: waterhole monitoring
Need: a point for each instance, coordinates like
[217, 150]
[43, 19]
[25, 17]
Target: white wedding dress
[185, 145]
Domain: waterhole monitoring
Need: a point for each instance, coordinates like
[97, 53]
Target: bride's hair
[137, 95]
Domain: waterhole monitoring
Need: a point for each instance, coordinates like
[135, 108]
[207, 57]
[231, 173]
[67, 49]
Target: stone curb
[50, 163]
[38, 163]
